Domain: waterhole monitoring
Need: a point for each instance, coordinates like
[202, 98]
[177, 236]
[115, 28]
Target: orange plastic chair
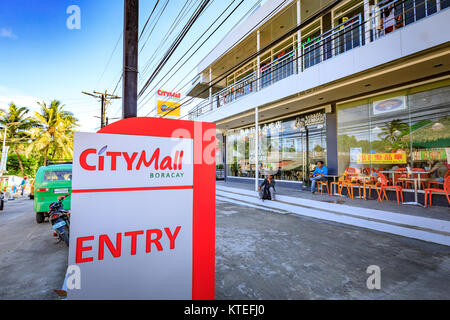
[320, 185]
[384, 186]
[447, 174]
[346, 184]
[446, 191]
[400, 173]
[338, 186]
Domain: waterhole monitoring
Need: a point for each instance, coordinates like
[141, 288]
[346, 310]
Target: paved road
[266, 255]
[259, 255]
[32, 264]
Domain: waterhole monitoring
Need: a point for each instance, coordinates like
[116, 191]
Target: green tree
[29, 165]
[55, 133]
[18, 125]
[394, 131]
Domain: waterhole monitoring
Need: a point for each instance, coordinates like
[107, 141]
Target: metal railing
[384, 18]
[342, 38]
[280, 68]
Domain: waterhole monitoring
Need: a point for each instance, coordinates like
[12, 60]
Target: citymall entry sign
[143, 210]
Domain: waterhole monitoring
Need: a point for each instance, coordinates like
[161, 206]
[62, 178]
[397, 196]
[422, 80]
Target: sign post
[143, 210]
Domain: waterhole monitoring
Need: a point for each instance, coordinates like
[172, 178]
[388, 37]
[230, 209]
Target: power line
[184, 10]
[105, 99]
[281, 38]
[148, 19]
[168, 72]
[175, 45]
[245, 35]
[110, 58]
[156, 22]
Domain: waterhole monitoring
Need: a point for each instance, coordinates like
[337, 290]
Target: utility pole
[105, 99]
[130, 58]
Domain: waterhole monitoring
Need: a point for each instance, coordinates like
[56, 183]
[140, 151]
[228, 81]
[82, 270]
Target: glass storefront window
[288, 149]
[408, 129]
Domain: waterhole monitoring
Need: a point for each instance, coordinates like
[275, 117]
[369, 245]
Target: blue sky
[41, 59]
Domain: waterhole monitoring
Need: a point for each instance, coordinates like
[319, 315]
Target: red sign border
[204, 193]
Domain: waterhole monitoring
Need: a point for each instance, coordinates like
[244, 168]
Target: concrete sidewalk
[435, 212]
[368, 214]
[265, 255]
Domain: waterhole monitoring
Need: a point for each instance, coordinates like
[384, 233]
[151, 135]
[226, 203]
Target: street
[266, 255]
[32, 263]
[259, 255]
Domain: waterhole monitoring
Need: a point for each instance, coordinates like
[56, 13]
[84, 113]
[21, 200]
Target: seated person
[267, 189]
[437, 171]
[319, 173]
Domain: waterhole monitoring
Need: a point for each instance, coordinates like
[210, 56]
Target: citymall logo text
[168, 166]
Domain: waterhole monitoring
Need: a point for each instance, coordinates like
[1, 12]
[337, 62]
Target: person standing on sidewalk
[319, 173]
[267, 189]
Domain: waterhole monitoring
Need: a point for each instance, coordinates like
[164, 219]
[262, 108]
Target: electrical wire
[175, 45]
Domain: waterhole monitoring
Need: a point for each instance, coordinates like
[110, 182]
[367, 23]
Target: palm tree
[55, 133]
[394, 131]
[18, 124]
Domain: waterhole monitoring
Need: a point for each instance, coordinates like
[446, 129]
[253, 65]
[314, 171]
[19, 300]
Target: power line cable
[175, 45]
[177, 20]
[279, 39]
[191, 47]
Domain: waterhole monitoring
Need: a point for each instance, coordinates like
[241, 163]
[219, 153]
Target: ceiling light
[437, 126]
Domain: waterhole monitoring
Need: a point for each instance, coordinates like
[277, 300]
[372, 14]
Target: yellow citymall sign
[168, 108]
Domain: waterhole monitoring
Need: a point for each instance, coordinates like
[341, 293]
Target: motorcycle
[60, 220]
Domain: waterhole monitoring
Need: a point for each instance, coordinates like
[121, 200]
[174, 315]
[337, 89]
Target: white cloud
[7, 33]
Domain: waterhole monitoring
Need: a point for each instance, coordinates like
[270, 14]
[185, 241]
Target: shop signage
[382, 158]
[310, 119]
[168, 103]
[389, 105]
[355, 153]
[430, 154]
[142, 220]
[168, 108]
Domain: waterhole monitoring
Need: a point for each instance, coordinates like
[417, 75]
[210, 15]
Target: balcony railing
[385, 18]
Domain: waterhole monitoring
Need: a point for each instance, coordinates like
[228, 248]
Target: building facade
[354, 83]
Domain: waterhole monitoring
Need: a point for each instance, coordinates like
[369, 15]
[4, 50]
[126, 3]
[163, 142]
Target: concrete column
[367, 21]
[256, 149]
[332, 151]
[299, 38]
[210, 88]
[258, 61]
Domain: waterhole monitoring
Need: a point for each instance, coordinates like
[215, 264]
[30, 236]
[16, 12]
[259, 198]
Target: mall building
[354, 83]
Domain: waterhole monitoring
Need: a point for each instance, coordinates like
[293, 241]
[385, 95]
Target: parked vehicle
[2, 200]
[31, 195]
[50, 182]
[60, 219]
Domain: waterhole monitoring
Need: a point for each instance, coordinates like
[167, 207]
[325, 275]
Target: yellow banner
[381, 158]
[168, 108]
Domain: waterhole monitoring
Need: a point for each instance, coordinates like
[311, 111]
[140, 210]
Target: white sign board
[131, 219]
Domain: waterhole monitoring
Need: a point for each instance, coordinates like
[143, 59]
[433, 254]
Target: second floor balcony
[384, 20]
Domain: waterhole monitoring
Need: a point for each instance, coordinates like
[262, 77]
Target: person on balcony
[319, 174]
[267, 189]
